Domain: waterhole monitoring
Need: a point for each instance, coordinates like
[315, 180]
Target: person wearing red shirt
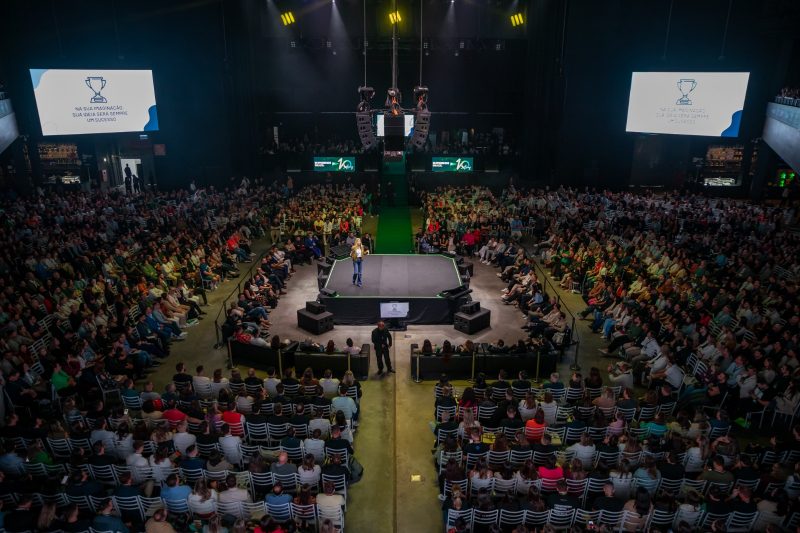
[234, 419]
[173, 415]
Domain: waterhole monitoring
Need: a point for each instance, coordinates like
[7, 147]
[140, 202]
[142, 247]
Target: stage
[416, 279]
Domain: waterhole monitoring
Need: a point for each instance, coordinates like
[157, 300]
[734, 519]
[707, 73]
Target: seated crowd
[249, 454]
[696, 296]
[514, 455]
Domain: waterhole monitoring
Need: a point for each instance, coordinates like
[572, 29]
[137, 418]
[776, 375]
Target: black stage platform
[416, 279]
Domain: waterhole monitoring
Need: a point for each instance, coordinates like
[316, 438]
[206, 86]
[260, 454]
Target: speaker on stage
[316, 323]
[315, 307]
[322, 279]
[470, 308]
[455, 292]
[328, 292]
[466, 268]
[472, 323]
[324, 267]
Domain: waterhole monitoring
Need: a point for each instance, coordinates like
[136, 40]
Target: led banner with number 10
[334, 164]
[451, 164]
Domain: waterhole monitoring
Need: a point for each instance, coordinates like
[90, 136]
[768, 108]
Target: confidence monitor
[687, 103]
[394, 312]
[83, 101]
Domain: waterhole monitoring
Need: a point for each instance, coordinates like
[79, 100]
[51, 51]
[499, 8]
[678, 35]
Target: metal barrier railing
[234, 294]
[549, 289]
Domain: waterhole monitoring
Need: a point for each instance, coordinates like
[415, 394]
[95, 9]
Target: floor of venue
[399, 490]
[403, 276]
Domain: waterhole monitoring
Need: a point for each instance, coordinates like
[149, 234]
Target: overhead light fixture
[461, 44]
[327, 44]
[425, 44]
[456, 54]
[499, 46]
[517, 20]
[292, 44]
[287, 18]
[394, 17]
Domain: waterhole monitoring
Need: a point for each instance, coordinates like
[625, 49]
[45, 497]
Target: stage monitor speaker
[467, 267]
[394, 132]
[316, 323]
[328, 292]
[470, 308]
[322, 279]
[365, 131]
[456, 292]
[315, 307]
[470, 324]
[324, 267]
[340, 251]
[421, 126]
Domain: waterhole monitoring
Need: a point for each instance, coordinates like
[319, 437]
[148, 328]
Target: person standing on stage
[382, 341]
[357, 253]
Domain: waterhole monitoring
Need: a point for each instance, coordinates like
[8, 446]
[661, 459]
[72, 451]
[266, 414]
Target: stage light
[287, 18]
[394, 17]
[499, 46]
[517, 19]
[461, 45]
[327, 44]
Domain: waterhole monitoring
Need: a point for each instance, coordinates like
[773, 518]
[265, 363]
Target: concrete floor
[394, 441]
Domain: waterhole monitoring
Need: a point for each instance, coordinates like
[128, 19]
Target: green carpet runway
[394, 225]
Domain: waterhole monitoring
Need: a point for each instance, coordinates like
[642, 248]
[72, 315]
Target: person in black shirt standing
[382, 341]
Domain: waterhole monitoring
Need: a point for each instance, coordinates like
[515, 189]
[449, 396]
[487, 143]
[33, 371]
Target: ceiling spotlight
[394, 17]
[425, 44]
[499, 46]
[517, 20]
[456, 54]
[327, 44]
[287, 18]
[292, 44]
[461, 45]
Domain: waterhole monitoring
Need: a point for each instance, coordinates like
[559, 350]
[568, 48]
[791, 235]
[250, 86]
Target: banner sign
[334, 164]
[451, 164]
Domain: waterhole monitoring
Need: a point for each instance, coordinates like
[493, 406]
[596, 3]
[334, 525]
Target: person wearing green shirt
[62, 382]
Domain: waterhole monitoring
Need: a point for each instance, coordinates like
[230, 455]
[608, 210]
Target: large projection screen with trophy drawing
[80, 101]
[687, 103]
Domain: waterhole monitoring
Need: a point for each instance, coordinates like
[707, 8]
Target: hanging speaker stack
[364, 122]
[421, 125]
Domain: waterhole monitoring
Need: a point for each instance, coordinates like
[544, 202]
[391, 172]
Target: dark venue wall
[228, 72]
[606, 41]
[180, 41]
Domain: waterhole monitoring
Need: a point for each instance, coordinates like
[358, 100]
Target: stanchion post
[472, 377]
[575, 366]
[417, 379]
[348, 361]
[280, 362]
[538, 362]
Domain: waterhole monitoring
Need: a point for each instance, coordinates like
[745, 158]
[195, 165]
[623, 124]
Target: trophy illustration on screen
[97, 84]
[685, 86]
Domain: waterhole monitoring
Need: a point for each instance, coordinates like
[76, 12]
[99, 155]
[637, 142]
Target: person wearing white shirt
[309, 472]
[320, 423]
[314, 445]
[271, 382]
[230, 445]
[183, 439]
[200, 381]
[329, 384]
[233, 493]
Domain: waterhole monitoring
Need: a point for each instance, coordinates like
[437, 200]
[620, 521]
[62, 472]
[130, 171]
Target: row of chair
[616, 521]
[142, 507]
[624, 487]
